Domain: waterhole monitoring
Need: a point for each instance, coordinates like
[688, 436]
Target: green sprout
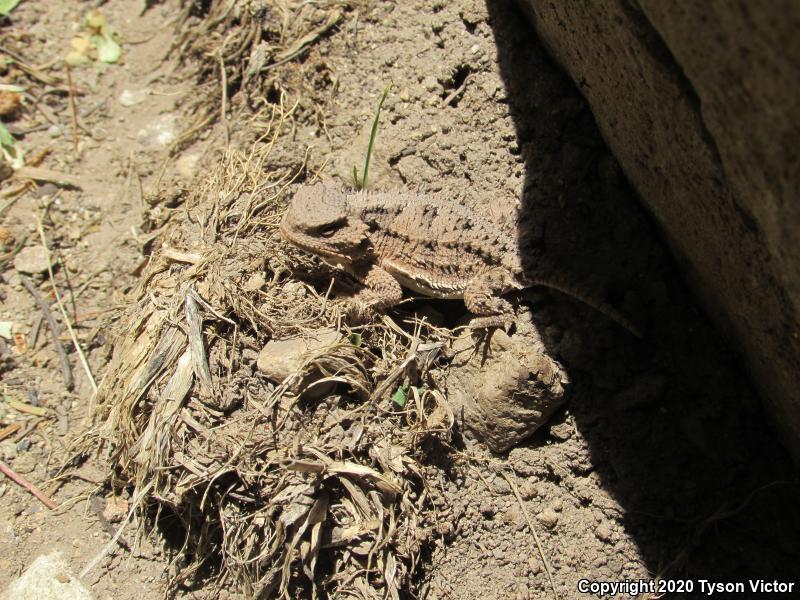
[361, 184]
[400, 396]
[9, 149]
[6, 6]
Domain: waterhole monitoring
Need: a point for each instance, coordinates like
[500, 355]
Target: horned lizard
[391, 240]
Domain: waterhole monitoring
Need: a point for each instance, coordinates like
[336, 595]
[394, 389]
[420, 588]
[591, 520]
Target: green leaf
[400, 396]
[108, 51]
[6, 6]
[373, 134]
[355, 339]
[10, 151]
[6, 139]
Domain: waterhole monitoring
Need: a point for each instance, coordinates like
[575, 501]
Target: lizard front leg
[482, 297]
[381, 290]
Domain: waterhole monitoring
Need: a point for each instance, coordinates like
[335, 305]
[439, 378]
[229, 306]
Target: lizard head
[318, 221]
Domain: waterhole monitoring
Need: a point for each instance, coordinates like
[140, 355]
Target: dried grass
[281, 495]
[242, 43]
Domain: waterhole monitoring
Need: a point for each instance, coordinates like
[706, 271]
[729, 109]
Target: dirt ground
[661, 463]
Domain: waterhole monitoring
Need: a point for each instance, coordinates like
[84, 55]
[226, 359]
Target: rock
[32, 260]
[132, 97]
[548, 517]
[515, 518]
[116, 509]
[505, 394]
[562, 431]
[160, 132]
[255, 282]
[487, 508]
[48, 577]
[284, 358]
[534, 565]
[698, 102]
[522, 592]
[528, 489]
[501, 486]
[603, 532]
[8, 450]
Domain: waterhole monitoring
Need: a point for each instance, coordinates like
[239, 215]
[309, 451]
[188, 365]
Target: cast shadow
[675, 429]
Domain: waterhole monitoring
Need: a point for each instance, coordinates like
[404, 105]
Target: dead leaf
[116, 509]
[9, 103]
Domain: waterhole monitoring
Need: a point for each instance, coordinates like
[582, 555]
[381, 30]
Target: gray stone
[48, 577]
[281, 359]
[32, 260]
[129, 98]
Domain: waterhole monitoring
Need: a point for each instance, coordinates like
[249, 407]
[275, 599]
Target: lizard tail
[600, 306]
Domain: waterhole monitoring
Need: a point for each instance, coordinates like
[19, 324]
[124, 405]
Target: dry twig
[22, 482]
[75, 343]
[42, 174]
[66, 370]
[535, 535]
[9, 430]
[73, 110]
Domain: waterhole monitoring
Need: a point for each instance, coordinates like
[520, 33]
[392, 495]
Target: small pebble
[132, 97]
[534, 565]
[548, 517]
[522, 592]
[528, 490]
[562, 431]
[514, 517]
[32, 260]
[445, 529]
[54, 131]
[603, 532]
[8, 449]
[501, 486]
[255, 282]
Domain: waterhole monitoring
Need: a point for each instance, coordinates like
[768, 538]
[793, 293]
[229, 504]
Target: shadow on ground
[675, 428]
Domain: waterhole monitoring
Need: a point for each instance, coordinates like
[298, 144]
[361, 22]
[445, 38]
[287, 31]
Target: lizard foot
[502, 321]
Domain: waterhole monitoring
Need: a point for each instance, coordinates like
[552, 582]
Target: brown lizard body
[390, 240]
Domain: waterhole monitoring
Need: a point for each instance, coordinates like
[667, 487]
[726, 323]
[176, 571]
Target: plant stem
[373, 134]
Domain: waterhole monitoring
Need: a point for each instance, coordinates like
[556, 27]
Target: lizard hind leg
[482, 298]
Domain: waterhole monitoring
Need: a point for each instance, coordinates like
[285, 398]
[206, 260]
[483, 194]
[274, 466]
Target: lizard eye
[328, 230]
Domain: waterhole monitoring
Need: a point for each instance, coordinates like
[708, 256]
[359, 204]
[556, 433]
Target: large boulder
[699, 102]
